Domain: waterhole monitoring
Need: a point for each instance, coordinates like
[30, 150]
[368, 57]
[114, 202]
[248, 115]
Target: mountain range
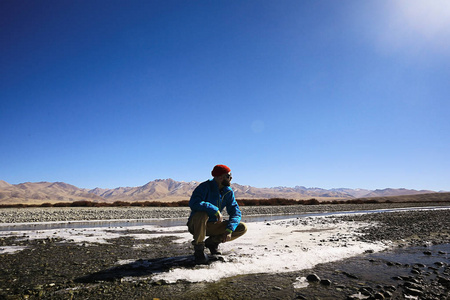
[171, 190]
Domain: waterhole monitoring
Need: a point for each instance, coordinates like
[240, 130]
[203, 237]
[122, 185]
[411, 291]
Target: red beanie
[220, 170]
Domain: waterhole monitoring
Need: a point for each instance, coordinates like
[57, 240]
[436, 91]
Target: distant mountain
[395, 192]
[171, 190]
[164, 189]
[357, 193]
[4, 184]
[298, 192]
[41, 192]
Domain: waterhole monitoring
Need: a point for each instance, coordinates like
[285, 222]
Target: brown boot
[212, 246]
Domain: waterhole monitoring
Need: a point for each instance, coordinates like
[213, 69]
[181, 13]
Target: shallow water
[378, 269]
[92, 224]
[416, 255]
[182, 221]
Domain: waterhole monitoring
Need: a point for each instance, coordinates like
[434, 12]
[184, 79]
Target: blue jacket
[207, 197]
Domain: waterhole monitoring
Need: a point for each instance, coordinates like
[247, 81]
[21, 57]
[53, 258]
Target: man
[206, 203]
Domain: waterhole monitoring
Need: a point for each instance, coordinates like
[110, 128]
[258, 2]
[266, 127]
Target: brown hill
[170, 190]
[298, 192]
[395, 192]
[4, 184]
[428, 197]
[41, 192]
[160, 189]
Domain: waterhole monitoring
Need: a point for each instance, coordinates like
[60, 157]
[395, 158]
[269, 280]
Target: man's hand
[226, 237]
[219, 217]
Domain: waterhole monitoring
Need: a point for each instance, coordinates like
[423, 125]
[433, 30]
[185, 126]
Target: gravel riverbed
[55, 214]
[54, 269]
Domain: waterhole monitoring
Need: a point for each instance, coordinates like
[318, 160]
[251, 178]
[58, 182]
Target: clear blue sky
[315, 93]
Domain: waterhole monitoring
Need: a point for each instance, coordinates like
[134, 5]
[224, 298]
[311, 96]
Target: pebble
[313, 277]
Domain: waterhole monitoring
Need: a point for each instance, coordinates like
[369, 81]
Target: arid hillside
[171, 190]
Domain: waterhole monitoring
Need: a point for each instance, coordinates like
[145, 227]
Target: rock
[350, 275]
[313, 277]
[357, 296]
[439, 264]
[378, 296]
[387, 294]
[367, 290]
[427, 252]
[390, 288]
[413, 292]
[326, 282]
[444, 281]
[300, 297]
[413, 285]
[160, 282]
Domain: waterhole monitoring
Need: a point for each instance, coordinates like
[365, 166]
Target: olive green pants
[199, 227]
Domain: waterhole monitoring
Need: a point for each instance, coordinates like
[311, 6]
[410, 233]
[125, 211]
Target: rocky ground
[53, 214]
[54, 269]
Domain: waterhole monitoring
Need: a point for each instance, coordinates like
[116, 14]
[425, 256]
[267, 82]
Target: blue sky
[315, 93]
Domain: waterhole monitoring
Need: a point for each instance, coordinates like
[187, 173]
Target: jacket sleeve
[198, 201]
[233, 211]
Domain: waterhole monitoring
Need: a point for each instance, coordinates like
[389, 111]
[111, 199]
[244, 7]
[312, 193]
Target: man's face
[226, 179]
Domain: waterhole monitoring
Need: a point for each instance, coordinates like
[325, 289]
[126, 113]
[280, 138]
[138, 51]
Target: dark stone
[427, 252]
[378, 296]
[444, 281]
[390, 288]
[439, 263]
[313, 277]
[387, 294]
[413, 292]
[413, 285]
[326, 282]
[350, 275]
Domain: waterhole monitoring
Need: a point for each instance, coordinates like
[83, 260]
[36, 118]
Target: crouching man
[206, 203]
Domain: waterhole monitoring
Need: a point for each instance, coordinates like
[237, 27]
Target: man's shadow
[142, 267]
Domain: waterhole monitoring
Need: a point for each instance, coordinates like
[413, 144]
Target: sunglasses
[228, 176]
